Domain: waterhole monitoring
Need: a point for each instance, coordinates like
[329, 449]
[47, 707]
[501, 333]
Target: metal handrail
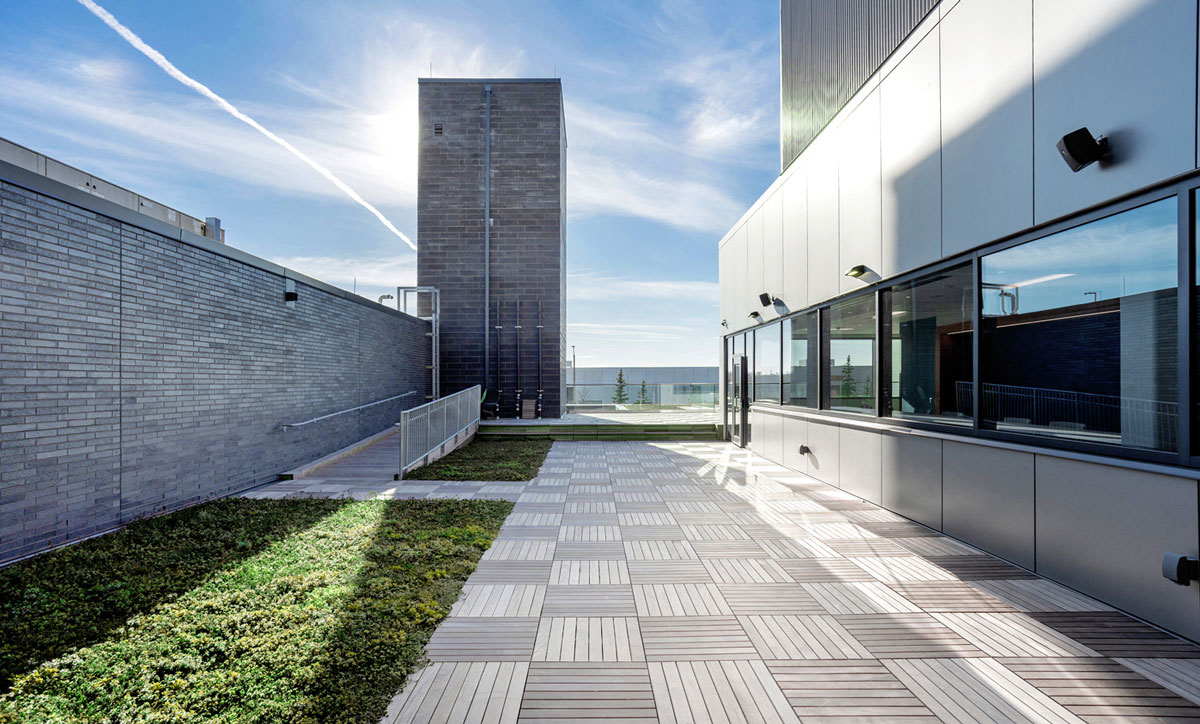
[427, 427]
[352, 409]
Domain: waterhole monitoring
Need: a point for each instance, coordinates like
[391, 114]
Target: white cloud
[591, 286]
[381, 273]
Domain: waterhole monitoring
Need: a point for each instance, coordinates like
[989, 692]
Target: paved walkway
[695, 582]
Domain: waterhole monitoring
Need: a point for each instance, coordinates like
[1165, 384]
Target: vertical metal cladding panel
[823, 79]
[892, 21]
[787, 109]
[854, 40]
[828, 50]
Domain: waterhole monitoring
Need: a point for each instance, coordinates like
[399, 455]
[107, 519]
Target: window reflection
[799, 347]
[849, 336]
[766, 362]
[1079, 334]
[929, 326]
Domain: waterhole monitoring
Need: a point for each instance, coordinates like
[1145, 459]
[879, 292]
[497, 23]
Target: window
[848, 339]
[766, 362]
[928, 321]
[799, 347]
[1079, 332]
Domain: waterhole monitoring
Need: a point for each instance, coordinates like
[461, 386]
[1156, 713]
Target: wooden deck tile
[650, 572]
[936, 546]
[589, 518]
[610, 550]
[651, 532]
[867, 547]
[1103, 690]
[483, 639]
[593, 508]
[680, 599]
[847, 691]
[729, 549]
[801, 637]
[907, 635]
[491, 600]
[793, 548]
[510, 572]
[1012, 634]
[859, 597]
[824, 570]
[900, 569]
[1181, 676]
[589, 533]
[717, 518]
[769, 598]
[588, 601]
[1117, 635]
[714, 532]
[553, 519]
[588, 639]
[980, 568]
[641, 519]
[587, 692]
[576, 573]
[977, 690]
[1039, 595]
[528, 532]
[472, 693]
[746, 570]
[952, 596]
[519, 550]
[900, 529]
[718, 691]
[658, 550]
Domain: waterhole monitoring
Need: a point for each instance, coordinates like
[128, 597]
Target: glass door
[737, 415]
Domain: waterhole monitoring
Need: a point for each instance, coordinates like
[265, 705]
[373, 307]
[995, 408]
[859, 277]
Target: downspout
[487, 235]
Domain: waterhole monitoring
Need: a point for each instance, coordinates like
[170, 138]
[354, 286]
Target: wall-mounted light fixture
[290, 295]
[765, 299]
[755, 316]
[1180, 569]
[725, 323]
[857, 271]
[1080, 149]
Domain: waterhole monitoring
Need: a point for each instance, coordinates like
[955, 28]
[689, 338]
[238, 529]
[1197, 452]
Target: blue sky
[672, 122]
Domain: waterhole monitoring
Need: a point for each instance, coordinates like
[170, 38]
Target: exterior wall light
[725, 323]
[765, 299]
[1080, 149]
[1180, 569]
[755, 316]
[857, 271]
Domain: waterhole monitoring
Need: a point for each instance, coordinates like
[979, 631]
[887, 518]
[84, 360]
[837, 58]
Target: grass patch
[237, 611]
[488, 459]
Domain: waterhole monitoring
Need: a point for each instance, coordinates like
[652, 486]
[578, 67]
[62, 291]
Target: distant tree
[643, 395]
[849, 388]
[620, 395]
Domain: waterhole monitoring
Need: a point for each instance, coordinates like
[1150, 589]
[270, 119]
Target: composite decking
[695, 582]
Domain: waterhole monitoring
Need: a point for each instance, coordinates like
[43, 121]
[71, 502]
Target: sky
[672, 112]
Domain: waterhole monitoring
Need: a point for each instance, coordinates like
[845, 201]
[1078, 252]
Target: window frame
[1188, 455]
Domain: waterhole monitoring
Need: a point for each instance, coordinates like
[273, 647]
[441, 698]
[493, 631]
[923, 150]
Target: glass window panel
[850, 341]
[930, 333]
[766, 362]
[1079, 334]
[799, 348]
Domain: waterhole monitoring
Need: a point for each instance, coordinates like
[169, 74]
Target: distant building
[491, 199]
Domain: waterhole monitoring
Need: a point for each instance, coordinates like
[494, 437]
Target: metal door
[737, 415]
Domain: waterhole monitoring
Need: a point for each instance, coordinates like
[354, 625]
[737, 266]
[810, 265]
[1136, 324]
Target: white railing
[426, 428]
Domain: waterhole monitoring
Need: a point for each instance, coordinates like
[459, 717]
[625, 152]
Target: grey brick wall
[528, 257]
[140, 374]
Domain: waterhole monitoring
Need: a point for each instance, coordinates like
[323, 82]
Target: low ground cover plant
[237, 611]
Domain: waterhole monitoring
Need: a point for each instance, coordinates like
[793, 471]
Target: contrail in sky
[205, 91]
